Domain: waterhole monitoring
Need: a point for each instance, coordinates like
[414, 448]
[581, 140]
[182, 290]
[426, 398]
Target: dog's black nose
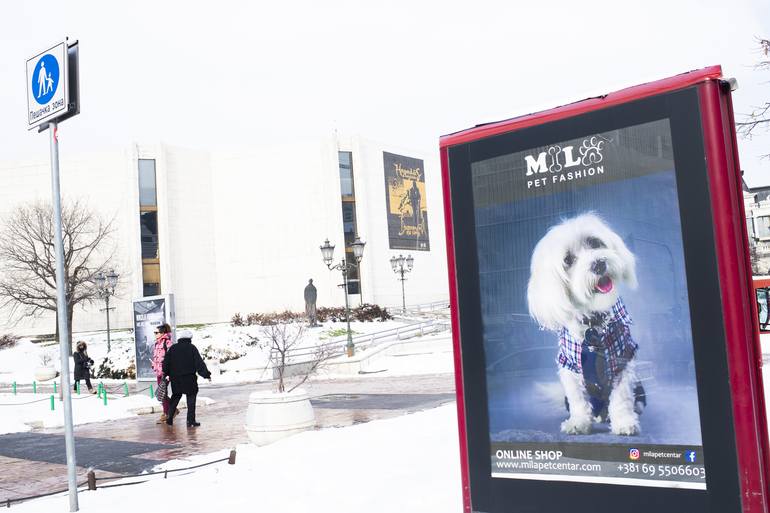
[599, 267]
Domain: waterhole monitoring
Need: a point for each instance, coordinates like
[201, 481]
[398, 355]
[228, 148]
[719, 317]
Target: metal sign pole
[61, 308]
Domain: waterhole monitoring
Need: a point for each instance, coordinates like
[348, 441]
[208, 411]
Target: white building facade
[229, 232]
[756, 203]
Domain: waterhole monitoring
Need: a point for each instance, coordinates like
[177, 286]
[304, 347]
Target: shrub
[117, 365]
[364, 313]
[221, 354]
[8, 340]
[369, 313]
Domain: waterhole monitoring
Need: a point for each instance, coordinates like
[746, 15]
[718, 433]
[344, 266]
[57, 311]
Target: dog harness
[608, 340]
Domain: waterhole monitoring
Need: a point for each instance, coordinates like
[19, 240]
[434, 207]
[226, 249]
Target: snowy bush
[8, 340]
[118, 364]
[364, 313]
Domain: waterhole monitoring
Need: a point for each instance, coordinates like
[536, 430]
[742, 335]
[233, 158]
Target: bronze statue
[311, 294]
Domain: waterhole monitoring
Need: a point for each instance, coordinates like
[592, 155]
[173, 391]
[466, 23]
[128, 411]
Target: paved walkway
[33, 463]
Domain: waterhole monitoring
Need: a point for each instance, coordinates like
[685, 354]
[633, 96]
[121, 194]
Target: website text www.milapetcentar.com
[609, 464]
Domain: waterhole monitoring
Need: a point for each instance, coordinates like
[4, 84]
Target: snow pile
[409, 463]
[21, 412]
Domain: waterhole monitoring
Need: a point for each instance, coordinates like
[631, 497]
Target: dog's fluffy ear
[628, 259]
[547, 293]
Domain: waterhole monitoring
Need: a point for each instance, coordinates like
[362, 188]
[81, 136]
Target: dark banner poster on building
[149, 313]
[406, 202]
[581, 262]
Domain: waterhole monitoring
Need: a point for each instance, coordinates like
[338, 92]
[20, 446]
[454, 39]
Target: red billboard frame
[735, 281]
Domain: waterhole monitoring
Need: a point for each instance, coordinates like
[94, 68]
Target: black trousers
[176, 397]
[88, 384]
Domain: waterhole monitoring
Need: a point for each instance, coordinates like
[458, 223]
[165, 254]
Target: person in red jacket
[162, 344]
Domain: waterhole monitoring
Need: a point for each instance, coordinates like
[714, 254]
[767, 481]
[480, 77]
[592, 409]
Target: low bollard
[231, 459]
[104, 396]
[125, 389]
[77, 387]
[52, 403]
[34, 387]
[14, 388]
[152, 394]
[91, 480]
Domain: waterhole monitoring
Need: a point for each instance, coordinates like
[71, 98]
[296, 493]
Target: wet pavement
[34, 462]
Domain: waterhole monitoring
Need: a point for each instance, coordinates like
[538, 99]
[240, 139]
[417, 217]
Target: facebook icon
[690, 456]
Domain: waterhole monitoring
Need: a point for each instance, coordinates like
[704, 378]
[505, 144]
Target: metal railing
[420, 308]
[367, 341]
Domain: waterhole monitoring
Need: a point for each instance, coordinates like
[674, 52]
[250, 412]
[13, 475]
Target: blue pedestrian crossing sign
[47, 83]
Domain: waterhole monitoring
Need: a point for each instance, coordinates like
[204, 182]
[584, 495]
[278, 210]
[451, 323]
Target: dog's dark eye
[569, 259]
[594, 243]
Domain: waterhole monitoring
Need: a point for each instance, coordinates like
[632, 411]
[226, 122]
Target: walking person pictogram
[42, 79]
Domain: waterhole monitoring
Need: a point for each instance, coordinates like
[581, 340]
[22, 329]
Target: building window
[148, 227]
[349, 228]
[147, 192]
[762, 226]
[349, 221]
[346, 173]
[763, 294]
[151, 289]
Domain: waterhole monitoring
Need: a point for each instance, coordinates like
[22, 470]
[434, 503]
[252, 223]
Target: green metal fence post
[125, 389]
[14, 388]
[34, 387]
[52, 403]
[152, 394]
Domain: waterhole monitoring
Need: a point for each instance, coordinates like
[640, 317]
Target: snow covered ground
[230, 352]
[409, 463]
[22, 412]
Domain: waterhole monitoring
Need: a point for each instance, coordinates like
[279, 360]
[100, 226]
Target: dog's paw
[576, 426]
[625, 429]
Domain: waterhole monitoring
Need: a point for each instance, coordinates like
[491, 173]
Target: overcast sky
[225, 74]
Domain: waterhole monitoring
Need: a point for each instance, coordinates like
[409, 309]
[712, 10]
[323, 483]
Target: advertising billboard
[149, 313]
[595, 318]
[585, 312]
[406, 202]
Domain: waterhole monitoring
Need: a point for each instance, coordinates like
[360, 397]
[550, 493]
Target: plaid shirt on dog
[616, 340]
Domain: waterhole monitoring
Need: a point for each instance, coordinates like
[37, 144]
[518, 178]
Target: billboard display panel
[589, 357]
[406, 202]
[602, 307]
[149, 313]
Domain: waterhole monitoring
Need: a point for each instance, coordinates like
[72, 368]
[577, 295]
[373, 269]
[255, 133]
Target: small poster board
[149, 313]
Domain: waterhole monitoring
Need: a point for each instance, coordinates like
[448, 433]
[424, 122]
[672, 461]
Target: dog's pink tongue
[604, 285]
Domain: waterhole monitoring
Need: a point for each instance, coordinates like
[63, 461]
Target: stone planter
[272, 416]
[44, 373]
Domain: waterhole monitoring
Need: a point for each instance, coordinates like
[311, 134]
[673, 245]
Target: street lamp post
[106, 287]
[401, 266]
[327, 252]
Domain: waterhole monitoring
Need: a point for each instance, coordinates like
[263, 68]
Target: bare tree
[28, 263]
[284, 342]
[760, 116]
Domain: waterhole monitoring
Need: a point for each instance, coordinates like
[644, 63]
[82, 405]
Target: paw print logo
[591, 151]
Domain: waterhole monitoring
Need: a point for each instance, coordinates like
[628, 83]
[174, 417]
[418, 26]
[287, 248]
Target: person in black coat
[82, 366]
[181, 365]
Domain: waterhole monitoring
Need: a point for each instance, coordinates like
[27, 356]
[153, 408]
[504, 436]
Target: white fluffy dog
[573, 290]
